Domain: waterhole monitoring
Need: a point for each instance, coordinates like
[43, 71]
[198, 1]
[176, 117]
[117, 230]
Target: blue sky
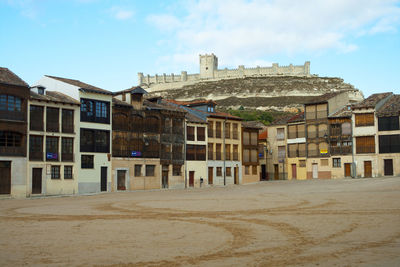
[106, 43]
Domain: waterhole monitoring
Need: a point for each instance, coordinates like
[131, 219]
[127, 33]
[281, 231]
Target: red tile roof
[9, 77]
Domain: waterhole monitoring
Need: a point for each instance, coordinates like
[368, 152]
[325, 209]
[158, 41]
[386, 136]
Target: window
[95, 111]
[166, 125]
[35, 147]
[302, 163]
[95, 140]
[365, 144]
[227, 130]
[87, 161]
[389, 143]
[152, 124]
[55, 172]
[246, 138]
[292, 131]
[247, 170]
[166, 151]
[280, 133]
[254, 138]
[322, 111]
[311, 112]
[228, 171]
[302, 150]
[52, 119]
[218, 152]
[235, 152]
[311, 131]
[323, 130]
[177, 152]
[246, 155]
[218, 129]
[67, 172]
[210, 151]
[10, 103]
[138, 170]
[292, 150]
[312, 150]
[150, 170]
[10, 139]
[176, 170]
[388, 123]
[324, 162]
[190, 133]
[281, 152]
[346, 128]
[254, 168]
[195, 152]
[254, 155]
[52, 148]
[219, 171]
[201, 134]
[177, 126]
[235, 133]
[67, 149]
[366, 119]
[227, 152]
[336, 162]
[210, 108]
[36, 118]
[210, 129]
[136, 124]
[67, 121]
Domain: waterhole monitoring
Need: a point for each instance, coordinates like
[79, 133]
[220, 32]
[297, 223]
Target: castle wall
[209, 70]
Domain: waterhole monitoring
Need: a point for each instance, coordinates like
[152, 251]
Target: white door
[315, 170]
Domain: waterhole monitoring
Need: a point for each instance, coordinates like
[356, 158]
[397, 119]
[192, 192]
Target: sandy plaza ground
[350, 222]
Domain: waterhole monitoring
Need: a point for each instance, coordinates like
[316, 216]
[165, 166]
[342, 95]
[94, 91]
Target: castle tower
[208, 65]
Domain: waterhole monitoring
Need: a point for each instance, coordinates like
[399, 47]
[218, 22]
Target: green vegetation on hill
[265, 117]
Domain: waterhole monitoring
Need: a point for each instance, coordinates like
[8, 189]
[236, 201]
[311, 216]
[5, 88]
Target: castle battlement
[209, 71]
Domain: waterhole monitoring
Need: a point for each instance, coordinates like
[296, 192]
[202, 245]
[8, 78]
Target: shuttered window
[365, 144]
[366, 119]
[389, 143]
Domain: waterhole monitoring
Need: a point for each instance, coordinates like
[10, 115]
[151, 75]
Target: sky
[107, 42]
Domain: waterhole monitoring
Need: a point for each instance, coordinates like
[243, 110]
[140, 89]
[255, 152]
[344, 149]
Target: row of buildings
[63, 136]
[334, 138]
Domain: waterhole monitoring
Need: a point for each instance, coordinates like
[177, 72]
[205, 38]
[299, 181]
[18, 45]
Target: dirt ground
[281, 223]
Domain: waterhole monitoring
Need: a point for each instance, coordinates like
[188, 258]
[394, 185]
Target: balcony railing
[12, 151]
[67, 157]
[12, 115]
[36, 155]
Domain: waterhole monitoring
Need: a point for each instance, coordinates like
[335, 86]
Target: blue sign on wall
[51, 155]
[136, 154]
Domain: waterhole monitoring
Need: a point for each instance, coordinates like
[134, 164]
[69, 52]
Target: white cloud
[252, 29]
[121, 13]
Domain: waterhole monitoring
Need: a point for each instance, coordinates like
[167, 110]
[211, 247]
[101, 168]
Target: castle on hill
[209, 71]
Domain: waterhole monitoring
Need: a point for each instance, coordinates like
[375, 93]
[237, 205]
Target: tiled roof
[263, 135]
[54, 97]
[192, 103]
[297, 118]
[324, 98]
[281, 121]
[253, 124]
[120, 102]
[82, 85]
[9, 77]
[371, 101]
[391, 107]
[193, 118]
[344, 112]
[132, 90]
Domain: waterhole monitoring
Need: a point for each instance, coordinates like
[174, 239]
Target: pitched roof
[193, 102]
[118, 102]
[84, 86]
[324, 98]
[344, 112]
[297, 118]
[52, 96]
[281, 121]
[132, 90]
[253, 124]
[371, 101]
[9, 77]
[390, 108]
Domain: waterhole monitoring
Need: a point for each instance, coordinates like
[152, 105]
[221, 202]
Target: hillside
[273, 92]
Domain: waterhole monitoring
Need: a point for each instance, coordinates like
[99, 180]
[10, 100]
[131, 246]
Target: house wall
[272, 158]
[359, 161]
[339, 172]
[55, 186]
[198, 166]
[324, 172]
[251, 178]
[136, 182]
[18, 176]
[395, 157]
[301, 172]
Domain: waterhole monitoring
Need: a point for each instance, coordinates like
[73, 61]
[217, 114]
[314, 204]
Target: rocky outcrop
[282, 92]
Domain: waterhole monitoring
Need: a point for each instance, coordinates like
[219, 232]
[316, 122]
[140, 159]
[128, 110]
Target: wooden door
[103, 181]
[191, 178]
[294, 171]
[121, 185]
[263, 172]
[276, 169]
[164, 179]
[210, 175]
[5, 177]
[367, 169]
[36, 180]
[347, 169]
[388, 167]
[315, 170]
[235, 175]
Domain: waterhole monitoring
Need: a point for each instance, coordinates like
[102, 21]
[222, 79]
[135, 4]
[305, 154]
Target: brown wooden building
[14, 95]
